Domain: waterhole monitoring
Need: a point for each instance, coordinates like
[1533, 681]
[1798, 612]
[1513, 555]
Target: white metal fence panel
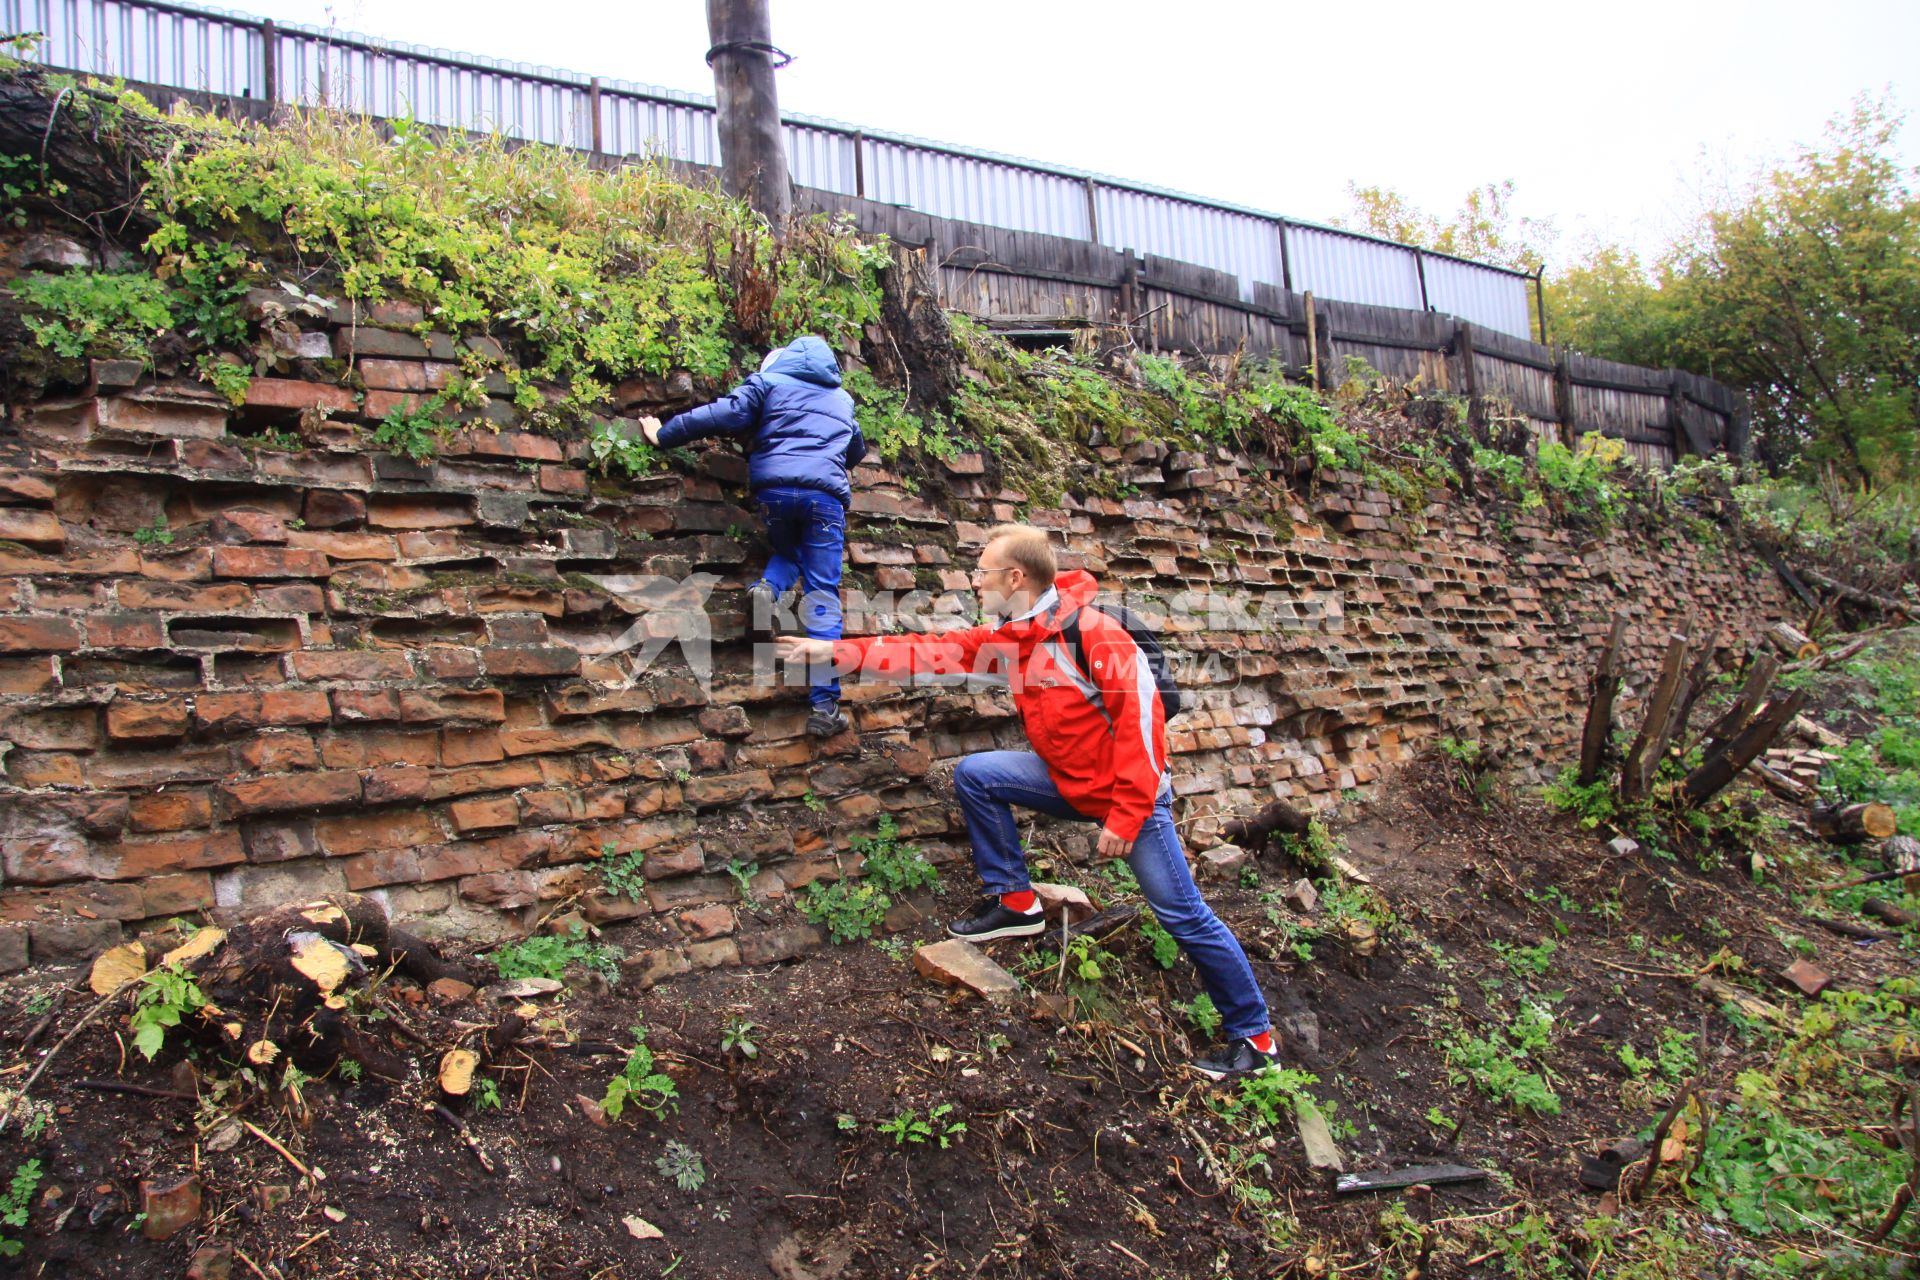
[1242, 244]
[1495, 299]
[1328, 264]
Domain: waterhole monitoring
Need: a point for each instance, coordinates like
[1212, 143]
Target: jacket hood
[1077, 589]
[805, 359]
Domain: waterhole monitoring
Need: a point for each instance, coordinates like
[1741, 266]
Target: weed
[743, 874]
[909, 1127]
[162, 998]
[895, 867]
[1165, 949]
[652, 1091]
[412, 432]
[551, 955]
[622, 873]
[1526, 962]
[684, 1165]
[614, 446]
[1493, 1062]
[77, 314]
[1592, 804]
[154, 535]
[486, 1094]
[736, 1036]
[847, 911]
[230, 378]
[16, 1203]
[1467, 767]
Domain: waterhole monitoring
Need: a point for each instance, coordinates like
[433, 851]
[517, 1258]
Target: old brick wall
[350, 671]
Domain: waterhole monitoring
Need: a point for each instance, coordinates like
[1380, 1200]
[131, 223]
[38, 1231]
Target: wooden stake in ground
[1636, 776]
[1852, 823]
[1716, 771]
[1760, 676]
[1605, 685]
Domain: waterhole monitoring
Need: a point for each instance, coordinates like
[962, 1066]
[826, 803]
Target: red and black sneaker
[994, 919]
[1240, 1058]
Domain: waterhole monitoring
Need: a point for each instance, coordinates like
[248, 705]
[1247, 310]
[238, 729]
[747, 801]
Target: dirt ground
[1087, 1150]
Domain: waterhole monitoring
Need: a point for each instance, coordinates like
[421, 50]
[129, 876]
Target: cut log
[1636, 776]
[1760, 677]
[1902, 854]
[1817, 733]
[1791, 641]
[1601, 692]
[1715, 772]
[1852, 823]
[1779, 783]
[1854, 595]
[1881, 909]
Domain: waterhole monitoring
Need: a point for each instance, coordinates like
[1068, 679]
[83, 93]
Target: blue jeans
[807, 530]
[989, 783]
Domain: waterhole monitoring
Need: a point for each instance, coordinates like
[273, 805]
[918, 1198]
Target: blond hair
[1028, 549]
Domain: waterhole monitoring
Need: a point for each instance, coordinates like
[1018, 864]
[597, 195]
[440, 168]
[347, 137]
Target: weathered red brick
[387, 866]
[170, 810]
[35, 528]
[711, 921]
[392, 511]
[477, 857]
[247, 524]
[291, 393]
[731, 788]
[470, 746]
[573, 735]
[345, 546]
[292, 791]
[373, 749]
[403, 375]
[132, 859]
[544, 660]
[496, 777]
[278, 751]
[567, 481]
[361, 705]
[125, 631]
[507, 444]
[369, 832]
[43, 769]
[127, 719]
[189, 564]
[486, 705]
[397, 784]
[38, 635]
[330, 509]
[229, 712]
[486, 813]
[174, 597]
[174, 895]
[351, 664]
[446, 662]
[53, 729]
[267, 562]
[27, 675]
[382, 403]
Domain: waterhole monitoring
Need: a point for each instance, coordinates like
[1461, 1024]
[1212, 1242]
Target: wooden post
[1463, 346]
[1420, 269]
[1605, 684]
[1760, 677]
[860, 164]
[753, 156]
[1286, 256]
[593, 112]
[1540, 301]
[270, 64]
[1637, 775]
[1313, 345]
[1717, 771]
[1563, 398]
[1676, 428]
[1093, 214]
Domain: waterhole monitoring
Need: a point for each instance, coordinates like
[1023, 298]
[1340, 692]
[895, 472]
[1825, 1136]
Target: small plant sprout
[684, 1165]
[736, 1036]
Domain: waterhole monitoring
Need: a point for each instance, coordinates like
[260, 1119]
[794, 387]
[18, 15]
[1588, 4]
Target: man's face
[997, 581]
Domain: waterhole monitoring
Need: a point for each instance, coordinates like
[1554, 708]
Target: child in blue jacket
[801, 442]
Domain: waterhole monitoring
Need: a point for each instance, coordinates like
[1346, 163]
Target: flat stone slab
[1063, 899]
[1322, 1151]
[959, 963]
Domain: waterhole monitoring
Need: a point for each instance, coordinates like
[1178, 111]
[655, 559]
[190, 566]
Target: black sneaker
[760, 603]
[993, 919]
[1239, 1058]
[823, 724]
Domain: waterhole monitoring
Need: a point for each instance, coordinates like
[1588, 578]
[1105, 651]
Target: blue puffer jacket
[797, 422]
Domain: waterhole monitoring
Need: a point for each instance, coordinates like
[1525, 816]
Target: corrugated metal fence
[216, 51]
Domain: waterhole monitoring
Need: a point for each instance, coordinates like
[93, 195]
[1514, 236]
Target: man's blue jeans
[989, 783]
[807, 530]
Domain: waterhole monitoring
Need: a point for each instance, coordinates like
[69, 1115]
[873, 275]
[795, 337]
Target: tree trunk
[1850, 824]
[1760, 677]
[1881, 909]
[1603, 687]
[1717, 771]
[1791, 641]
[1901, 853]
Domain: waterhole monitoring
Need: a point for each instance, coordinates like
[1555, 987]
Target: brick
[38, 635]
[131, 860]
[22, 486]
[71, 939]
[55, 729]
[351, 664]
[175, 597]
[387, 511]
[497, 777]
[279, 841]
[712, 921]
[381, 747]
[27, 675]
[384, 343]
[238, 525]
[487, 705]
[344, 546]
[388, 866]
[573, 735]
[486, 813]
[292, 791]
[34, 528]
[362, 705]
[330, 509]
[447, 662]
[176, 895]
[40, 769]
[730, 788]
[230, 712]
[278, 751]
[267, 562]
[369, 832]
[549, 660]
[125, 631]
[144, 720]
[403, 375]
[564, 481]
[471, 746]
[293, 394]
[523, 445]
[170, 811]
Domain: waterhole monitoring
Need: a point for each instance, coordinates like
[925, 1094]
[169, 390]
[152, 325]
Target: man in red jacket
[1099, 740]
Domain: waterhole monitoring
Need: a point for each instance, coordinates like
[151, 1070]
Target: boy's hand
[1112, 846]
[650, 428]
[801, 649]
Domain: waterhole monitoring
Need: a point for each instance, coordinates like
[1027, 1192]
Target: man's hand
[650, 428]
[801, 649]
[1113, 846]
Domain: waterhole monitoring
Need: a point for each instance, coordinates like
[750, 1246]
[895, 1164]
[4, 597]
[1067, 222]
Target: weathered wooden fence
[1021, 280]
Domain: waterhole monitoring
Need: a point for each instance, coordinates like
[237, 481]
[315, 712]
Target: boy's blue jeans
[989, 783]
[807, 530]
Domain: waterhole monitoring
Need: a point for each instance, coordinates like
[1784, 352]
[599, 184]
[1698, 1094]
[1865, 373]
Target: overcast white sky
[1612, 118]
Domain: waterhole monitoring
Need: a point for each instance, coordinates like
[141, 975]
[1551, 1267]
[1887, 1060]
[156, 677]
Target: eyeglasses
[984, 569]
